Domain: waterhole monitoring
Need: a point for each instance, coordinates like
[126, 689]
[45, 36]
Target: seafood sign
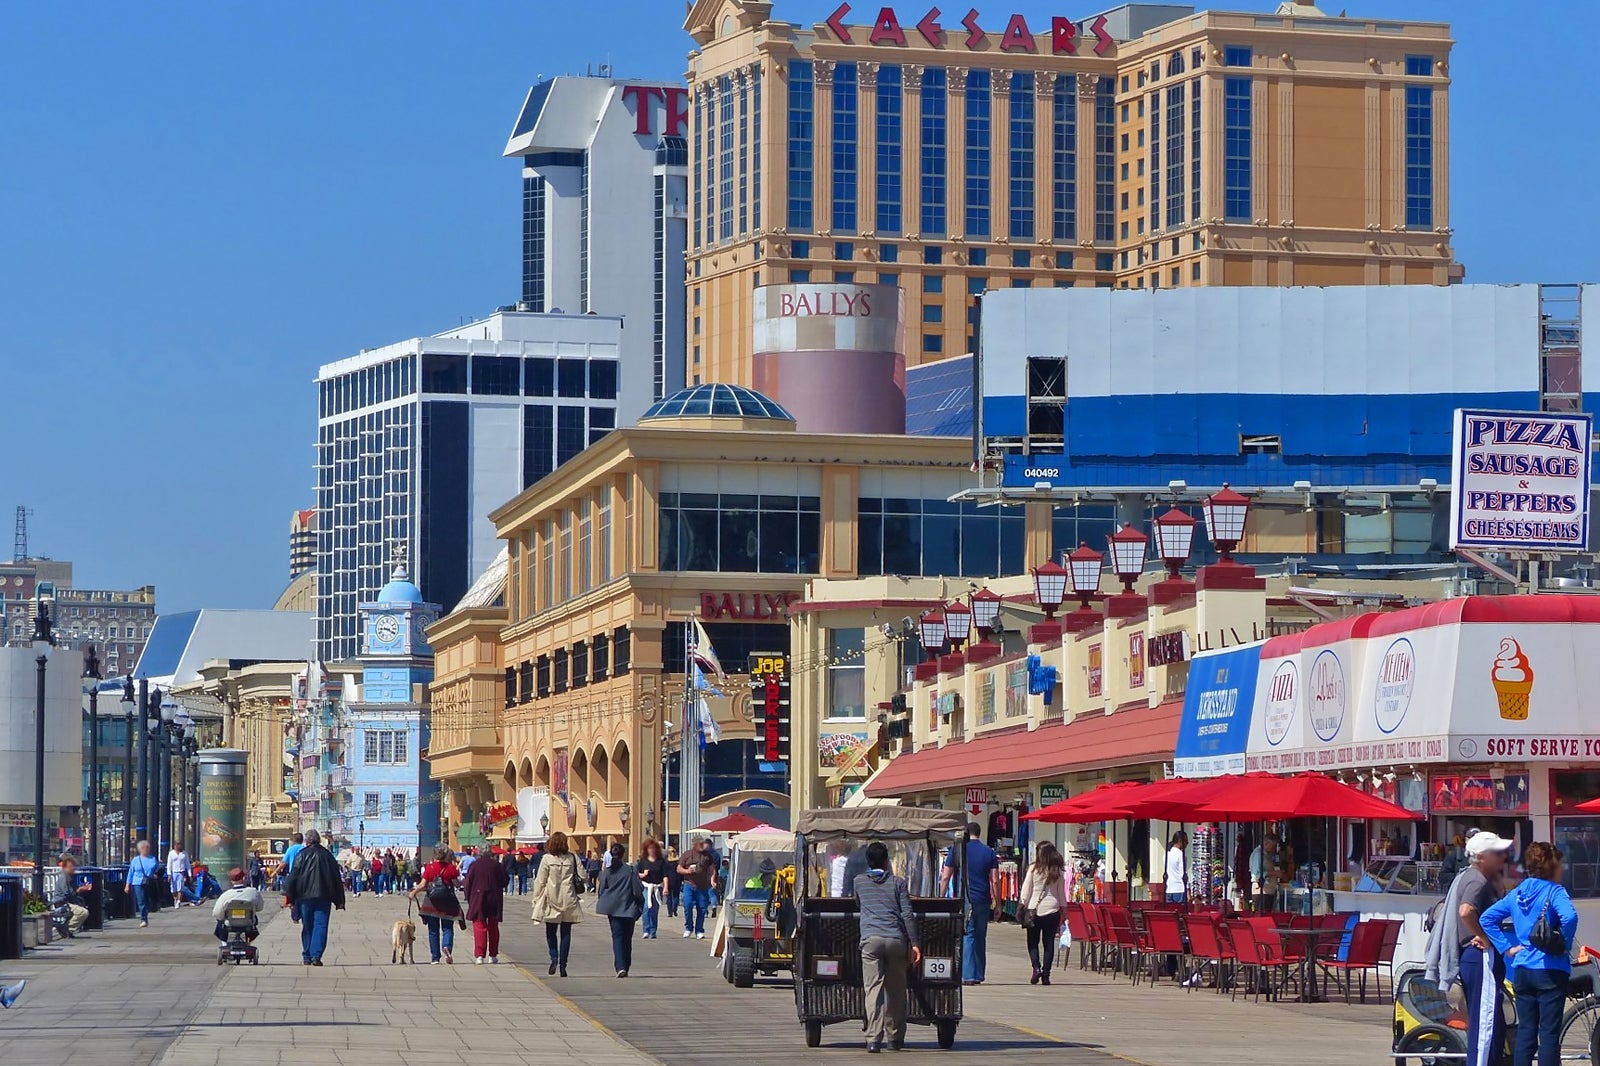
[1521, 480]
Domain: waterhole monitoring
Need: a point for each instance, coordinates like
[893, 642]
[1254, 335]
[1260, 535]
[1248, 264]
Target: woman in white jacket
[1045, 891]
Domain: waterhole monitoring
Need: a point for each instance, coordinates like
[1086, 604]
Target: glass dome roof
[716, 400]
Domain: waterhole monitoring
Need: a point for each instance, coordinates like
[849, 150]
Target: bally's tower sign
[1521, 480]
[834, 355]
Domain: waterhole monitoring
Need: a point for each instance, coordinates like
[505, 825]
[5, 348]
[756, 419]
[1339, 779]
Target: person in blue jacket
[1540, 979]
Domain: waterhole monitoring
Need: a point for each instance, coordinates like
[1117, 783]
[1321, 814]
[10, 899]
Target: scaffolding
[1560, 348]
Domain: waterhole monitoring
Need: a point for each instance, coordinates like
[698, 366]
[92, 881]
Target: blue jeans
[975, 943]
[1541, 997]
[522, 884]
[673, 900]
[441, 933]
[313, 928]
[1484, 1023]
[652, 916]
[558, 937]
[696, 902]
[141, 902]
[355, 883]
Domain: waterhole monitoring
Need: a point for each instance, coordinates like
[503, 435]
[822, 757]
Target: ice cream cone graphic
[1513, 680]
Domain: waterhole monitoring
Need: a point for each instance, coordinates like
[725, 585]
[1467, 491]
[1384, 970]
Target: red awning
[1126, 738]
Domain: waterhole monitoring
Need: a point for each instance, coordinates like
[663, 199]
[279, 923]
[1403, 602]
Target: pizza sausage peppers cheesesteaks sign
[1521, 480]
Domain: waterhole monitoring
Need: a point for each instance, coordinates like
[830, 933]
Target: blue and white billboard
[1216, 712]
[1258, 386]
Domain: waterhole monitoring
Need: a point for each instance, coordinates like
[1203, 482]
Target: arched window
[1175, 64]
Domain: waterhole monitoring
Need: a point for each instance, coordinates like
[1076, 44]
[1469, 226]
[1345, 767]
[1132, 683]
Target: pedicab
[758, 919]
[828, 985]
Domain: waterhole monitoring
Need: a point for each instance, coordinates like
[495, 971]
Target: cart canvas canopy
[879, 823]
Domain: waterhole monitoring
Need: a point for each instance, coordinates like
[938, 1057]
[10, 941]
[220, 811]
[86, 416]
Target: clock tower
[394, 649]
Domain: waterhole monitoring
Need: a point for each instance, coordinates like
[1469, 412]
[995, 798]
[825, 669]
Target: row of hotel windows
[1021, 134]
[372, 805]
[727, 155]
[604, 656]
[478, 375]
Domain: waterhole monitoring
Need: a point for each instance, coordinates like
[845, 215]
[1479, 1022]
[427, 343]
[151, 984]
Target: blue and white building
[391, 803]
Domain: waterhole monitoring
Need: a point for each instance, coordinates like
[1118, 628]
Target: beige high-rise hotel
[1152, 146]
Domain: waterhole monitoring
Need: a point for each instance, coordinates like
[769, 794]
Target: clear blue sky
[202, 202]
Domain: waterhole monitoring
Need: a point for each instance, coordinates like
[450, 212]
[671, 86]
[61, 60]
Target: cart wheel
[744, 968]
[947, 1035]
[813, 1034]
[221, 960]
[727, 964]
[1425, 1043]
[255, 960]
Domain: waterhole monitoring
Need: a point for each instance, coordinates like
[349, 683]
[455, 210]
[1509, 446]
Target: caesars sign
[1521, 481]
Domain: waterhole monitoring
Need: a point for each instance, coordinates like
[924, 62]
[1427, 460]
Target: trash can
[94, 899]
[118, 904]
[11, 889]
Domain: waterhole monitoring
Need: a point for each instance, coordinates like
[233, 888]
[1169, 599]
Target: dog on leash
[403, 940]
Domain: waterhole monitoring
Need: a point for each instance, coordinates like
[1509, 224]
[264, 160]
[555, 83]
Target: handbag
[1026, 917]
[1545, 934]
[577, 882]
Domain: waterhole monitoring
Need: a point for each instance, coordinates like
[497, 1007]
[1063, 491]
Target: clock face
[387, 629]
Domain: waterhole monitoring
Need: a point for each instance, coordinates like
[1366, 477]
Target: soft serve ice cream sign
[1513, 680]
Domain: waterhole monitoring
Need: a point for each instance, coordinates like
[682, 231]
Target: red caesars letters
[887, 29]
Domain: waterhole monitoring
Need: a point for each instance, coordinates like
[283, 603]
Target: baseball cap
[1482, 842]
[236, 874]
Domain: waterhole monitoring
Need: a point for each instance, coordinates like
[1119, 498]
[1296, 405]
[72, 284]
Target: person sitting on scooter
[68, 897]
[239, 891]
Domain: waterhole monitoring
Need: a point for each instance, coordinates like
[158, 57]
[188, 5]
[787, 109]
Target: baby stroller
[239, 923]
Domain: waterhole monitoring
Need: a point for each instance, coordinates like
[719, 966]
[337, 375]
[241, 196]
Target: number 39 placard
[937, 969]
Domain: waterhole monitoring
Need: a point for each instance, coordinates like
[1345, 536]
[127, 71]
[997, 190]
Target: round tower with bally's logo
[834, 355]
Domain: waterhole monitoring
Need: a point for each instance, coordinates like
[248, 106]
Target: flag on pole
[701, 651]
[706, 728]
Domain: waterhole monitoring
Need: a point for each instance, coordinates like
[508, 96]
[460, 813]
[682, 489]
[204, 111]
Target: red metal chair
[1386, 947]
[1124, 942]
[1208, 946]
[1366, 940]
[1255, 966]
[1098, 940]
[1078, 926]
[1163, 941]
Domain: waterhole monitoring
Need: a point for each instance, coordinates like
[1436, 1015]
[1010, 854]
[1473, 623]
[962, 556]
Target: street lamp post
[1049, 589]
[932, 630]
[169, 710]
[141, 796]
[1174, 537]
[1127, 562]
[128, 707]
[91, 674]
[43, 640]
[1084, 566]
[1225, 512]
[361, 831]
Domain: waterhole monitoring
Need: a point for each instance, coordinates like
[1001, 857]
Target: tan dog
[403, 939]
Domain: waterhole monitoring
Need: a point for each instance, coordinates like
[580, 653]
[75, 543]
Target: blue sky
[202, 202]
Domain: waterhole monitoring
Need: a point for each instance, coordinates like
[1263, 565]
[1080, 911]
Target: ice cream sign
[1513, 681]
[1521, 480]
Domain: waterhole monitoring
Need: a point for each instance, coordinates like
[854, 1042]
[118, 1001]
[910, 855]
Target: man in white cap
[1459, 952]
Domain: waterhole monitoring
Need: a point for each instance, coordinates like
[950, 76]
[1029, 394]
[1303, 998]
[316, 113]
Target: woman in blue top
[141, 868]
[1540, 979]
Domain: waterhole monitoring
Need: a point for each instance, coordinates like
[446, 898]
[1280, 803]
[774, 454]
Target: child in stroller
[236, 913]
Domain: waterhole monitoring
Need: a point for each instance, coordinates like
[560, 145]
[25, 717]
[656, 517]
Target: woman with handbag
[438, 904]
[1544, 924]
[556, 903]
[1044, 893]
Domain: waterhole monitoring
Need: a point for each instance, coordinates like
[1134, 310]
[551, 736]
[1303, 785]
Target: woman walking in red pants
[485, 885]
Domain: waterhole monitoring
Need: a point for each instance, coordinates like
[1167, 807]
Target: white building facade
[605, 215]
[63, 746]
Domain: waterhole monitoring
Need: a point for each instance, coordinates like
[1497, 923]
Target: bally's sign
[1521, 480]
[889, 29]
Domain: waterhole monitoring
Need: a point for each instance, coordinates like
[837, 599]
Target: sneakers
[448, 961]
[477, 960]
[434, 962]
[9, 994]
[622, 973]
[143, 923]
[699, 936]
[494, 960]
[687, 933]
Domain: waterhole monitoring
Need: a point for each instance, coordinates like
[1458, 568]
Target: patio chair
[1386, 947]
[1124, 942]
[1163, 941]
[1366, 939]
[1078, 926]
[1208, 945]
[1096, 937]
[1257, 969]
[1292, 952]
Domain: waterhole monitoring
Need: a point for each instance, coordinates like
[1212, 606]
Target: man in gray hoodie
[1459, 953]
[888, 947]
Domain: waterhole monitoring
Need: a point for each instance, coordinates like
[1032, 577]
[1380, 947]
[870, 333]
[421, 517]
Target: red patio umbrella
[1590, 806]
[1099, 804]
[1263, 797]
[736, 822]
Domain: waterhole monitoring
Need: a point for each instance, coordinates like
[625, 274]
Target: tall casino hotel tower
[1151, 146]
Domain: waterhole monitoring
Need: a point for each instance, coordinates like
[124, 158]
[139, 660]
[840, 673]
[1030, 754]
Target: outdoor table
[1313, 939]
